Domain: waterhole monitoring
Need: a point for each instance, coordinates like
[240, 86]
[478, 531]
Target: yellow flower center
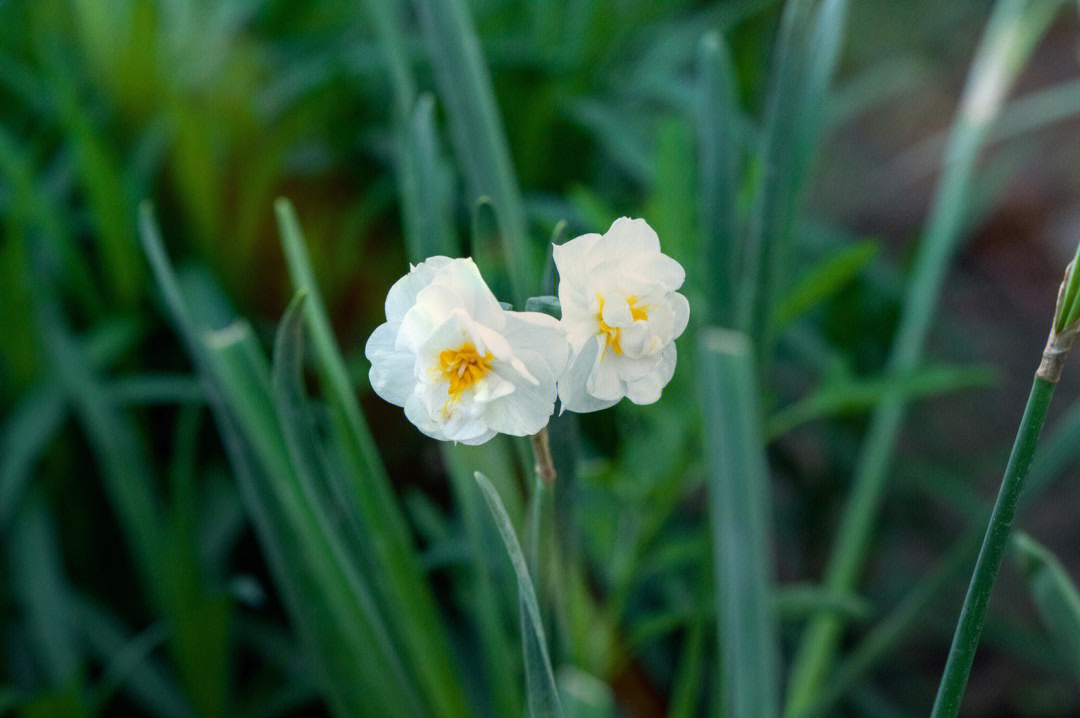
[614, 334]
[463, 367]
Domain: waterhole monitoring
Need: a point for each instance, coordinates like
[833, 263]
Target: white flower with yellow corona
[622, 313]
[463, 367]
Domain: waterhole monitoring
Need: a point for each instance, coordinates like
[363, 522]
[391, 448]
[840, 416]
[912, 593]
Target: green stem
[966, 638]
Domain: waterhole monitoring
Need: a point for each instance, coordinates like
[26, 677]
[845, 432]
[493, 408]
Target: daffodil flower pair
[464, 368]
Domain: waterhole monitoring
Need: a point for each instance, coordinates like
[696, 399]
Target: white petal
[463, 277]
[417, 413]
[570, 259]
[528, 409]
[540, 333]
[655, 268]
[632, 236]
[604, 381]
[647, 389]
[480, 438]
[681, 310]
[572, 393]
[392, 372]
[616, 311]
[402, 295]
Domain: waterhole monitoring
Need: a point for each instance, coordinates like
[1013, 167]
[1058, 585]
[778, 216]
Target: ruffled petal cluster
[622, 313]
[464, 368]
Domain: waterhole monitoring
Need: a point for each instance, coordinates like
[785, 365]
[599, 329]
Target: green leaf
[319, 584]
[363, 487]
[719, 156]
[148, 683]
[1055, 596]
[855, 394]
[125, 662]
[125, 465]
[740, 510]
[823, 281]
[799, 602]
[316, 499]
[426, 187]
[477, 133]
[156, 389]
[1011, 36]
[539, 679]
[37, 570]
[28, 430]
[488, 608]
[547, 305]
[807, 50]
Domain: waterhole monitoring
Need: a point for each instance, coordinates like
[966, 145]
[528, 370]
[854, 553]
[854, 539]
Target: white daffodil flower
[463, 367]
[622, 314]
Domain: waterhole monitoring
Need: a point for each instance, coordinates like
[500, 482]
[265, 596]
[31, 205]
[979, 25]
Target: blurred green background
[133, 581]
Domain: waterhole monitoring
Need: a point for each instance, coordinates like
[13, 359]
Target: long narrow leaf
[718, 160]
[405, 592]
[1055, 596]
[306, 561]
[477, 133]
[539, 678]
[740, 510]
[1014, 29]
[806, 53]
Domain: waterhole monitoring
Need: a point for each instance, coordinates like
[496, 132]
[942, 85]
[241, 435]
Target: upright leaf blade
[1055, 596]
[404, 590]
[806, 52]
[1009, 39]
[718, 165]
[539, 678]
[477, 133]
[740, 514]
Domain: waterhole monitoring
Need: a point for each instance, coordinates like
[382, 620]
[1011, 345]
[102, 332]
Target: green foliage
[307, 550]
[1055, 596]
[742, 535]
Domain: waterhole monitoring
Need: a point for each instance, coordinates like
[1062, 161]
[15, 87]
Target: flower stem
[966, 638]
[541, 446]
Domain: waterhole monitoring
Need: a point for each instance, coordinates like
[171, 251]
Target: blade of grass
[303, 444]
[1013, 30]
[320, 592]
[319, 588]
[33, 423]
[718, 187]
[148, 683]
[1055, 452]
[1055, 597]
[37, 575]
[28, 430]
[407, 595]
[477, 134]
[539, 677]
[485, 604]
[856, 394]
[427, 186]
[823, 281]
[125, 662]
[807, 49]
[125, 466]
[153, 389]
[889, 632]
[740, 513]
[796, 602]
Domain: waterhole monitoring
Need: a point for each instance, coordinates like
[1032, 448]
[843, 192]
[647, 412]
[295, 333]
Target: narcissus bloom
[463, 367]
[622, 314]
